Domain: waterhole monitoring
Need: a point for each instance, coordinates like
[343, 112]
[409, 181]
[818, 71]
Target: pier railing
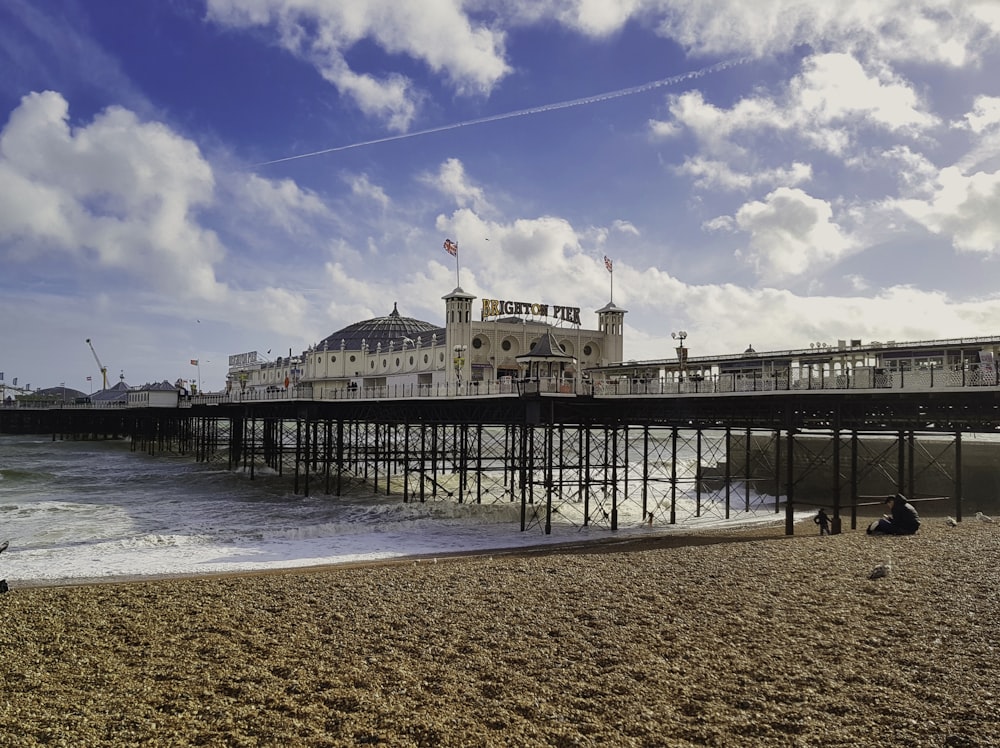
[931, 378]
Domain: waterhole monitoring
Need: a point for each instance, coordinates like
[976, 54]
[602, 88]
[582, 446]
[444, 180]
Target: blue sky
[796, 172]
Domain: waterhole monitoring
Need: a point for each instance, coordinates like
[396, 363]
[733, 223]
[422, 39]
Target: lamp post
[459, 362]
[680, 336]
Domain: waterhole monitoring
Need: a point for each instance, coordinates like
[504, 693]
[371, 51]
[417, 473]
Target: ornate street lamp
[680, 336]
[459, 362]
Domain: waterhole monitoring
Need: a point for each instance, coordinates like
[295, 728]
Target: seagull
[950, 521]
[983, 518]
[3, 545]
[882, 570]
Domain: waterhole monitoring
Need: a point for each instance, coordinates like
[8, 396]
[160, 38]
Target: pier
[583, 459]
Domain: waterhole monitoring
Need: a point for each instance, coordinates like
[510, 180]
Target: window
[352, 359]
[587, 350]
[505, 345]
[477, 343]
[425, 358]
[397, 361]
[411, 360]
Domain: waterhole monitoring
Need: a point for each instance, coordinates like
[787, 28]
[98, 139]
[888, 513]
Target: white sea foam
[97, 511]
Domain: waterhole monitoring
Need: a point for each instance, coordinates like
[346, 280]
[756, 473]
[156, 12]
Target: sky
[189, 179]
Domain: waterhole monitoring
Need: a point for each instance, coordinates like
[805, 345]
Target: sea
[85, 511]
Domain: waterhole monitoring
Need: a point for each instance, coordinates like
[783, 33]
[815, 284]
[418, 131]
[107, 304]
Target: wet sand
[735, 637]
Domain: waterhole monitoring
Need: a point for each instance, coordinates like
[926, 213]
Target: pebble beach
[735, 637]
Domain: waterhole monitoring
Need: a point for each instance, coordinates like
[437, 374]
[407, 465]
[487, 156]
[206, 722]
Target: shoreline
[610, 544]
[712, 638]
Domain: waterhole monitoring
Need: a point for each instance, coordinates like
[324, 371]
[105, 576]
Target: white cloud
[835, 88]
[720, 223]
[826, 104]
[436, 32]
[452, 181]
[951, 33]
[664, 129]
[790, 232]
[963, 208]
[984, 124]
[280, 202]
[118, 191]
[625, 227]
[363, 187]
[985, 115]
[709, 174]
[954, 33]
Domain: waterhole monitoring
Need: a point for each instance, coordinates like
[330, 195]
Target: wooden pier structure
[580, 460]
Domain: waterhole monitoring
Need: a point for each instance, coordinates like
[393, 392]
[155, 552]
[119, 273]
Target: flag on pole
[88, 379]
[15, 381]
[451, 247]
[194, 362]
[608, 264]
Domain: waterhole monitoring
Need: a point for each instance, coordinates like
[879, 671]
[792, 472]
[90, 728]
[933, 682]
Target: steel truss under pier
[581, 462]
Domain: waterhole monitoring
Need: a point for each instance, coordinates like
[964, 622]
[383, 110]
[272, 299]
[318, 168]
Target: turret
[458, 333]
[611, 321]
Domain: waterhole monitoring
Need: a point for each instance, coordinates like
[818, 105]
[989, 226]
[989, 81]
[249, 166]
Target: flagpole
[610, 267]
[452, 248]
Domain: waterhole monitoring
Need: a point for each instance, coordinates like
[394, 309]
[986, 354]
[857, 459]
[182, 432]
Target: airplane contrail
[672, 80]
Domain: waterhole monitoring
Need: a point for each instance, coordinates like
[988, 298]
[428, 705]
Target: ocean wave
[16, 475]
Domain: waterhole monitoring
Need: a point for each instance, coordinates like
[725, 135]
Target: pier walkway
[603, 454]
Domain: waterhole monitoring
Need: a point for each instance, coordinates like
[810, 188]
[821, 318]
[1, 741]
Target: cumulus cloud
[893, 30]
[437, 33]
[363, 187]
[280, 202]
[790, 232]
[625, 227]
[826, 104]
[962, 208]
[118, 191]
[452, 181]
[899, 30]
[713, 174]
[985, 115]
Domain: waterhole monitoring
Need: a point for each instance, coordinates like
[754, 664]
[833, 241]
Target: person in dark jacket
[823, 520]
[902, 518]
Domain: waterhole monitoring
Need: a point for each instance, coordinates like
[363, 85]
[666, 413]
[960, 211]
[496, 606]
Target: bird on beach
[950, 521]
[882, 570]
[983, 518]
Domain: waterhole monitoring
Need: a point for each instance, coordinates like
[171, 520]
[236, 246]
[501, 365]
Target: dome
[393, 328]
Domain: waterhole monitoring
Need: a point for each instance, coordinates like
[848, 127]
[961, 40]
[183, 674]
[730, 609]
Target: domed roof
[393, 327]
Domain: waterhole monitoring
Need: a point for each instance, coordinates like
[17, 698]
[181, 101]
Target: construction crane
[102, 367]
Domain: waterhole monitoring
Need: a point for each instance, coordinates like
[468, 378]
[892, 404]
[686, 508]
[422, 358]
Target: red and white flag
[451, 247]
[608, 264]
[194, 362]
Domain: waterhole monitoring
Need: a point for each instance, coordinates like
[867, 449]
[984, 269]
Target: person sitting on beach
[823, 520]
[901, 520]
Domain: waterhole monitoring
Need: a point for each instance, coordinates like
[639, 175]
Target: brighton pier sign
[243, 359]
[498, 307]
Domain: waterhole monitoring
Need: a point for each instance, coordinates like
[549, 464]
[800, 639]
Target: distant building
[156, 395]
[113, 397]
